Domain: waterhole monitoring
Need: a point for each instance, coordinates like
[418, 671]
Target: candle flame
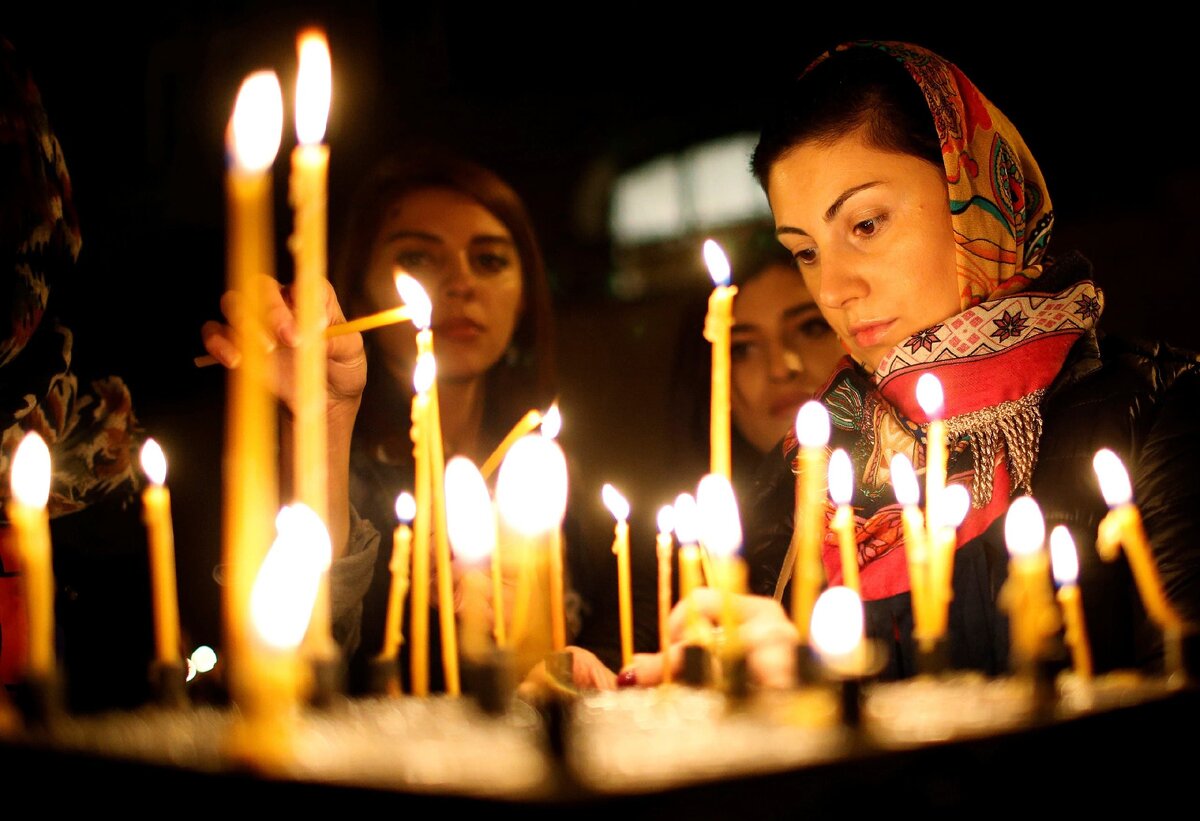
[470, 517]
[685, 518]
[956, 501]
[1024, 527]
[1114, 480]
[424, 373]
[1063, 558]
[615, 502]
[552, 422]
[720, 525]
[413, 295]
[531, 486]
[930, 396]
[314, 84]
[30, 478]
[836, 625]
[717, 262]
[406, 507]
[666, 519]
[285, 589]
[841, 477]
[904, 480]
[154, 462]
[812, 424]
[204, 657]
[257, 122]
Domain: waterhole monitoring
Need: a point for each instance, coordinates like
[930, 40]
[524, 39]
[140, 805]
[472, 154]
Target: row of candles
[276, 594]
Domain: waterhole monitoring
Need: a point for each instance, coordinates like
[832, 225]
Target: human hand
[588, 672]
[764, 631]
[346, 362]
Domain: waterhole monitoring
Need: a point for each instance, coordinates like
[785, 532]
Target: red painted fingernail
[627, 678]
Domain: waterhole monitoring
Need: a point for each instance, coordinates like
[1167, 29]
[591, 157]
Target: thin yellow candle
[690, 576]
[932, 402]
[526, 424]
[421, 311]
[393, 634]
[30, 483]
[837, 631]
[841, 490]
[956, 501]
[307, 192]
[916, 547]
[619, 507]
[550, 426]
[1027, 594]
[1122, 528]
[531, 494]
[418, 659]
[663, 548]
[1065, 563]
[156, 514]
[721, 536]
[812, 432]
[472, 522]
[717, 324]
[281, 605]
[249, 471]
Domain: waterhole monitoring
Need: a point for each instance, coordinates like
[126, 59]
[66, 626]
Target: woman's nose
[458, 279]
[784, 363]
[841, 280]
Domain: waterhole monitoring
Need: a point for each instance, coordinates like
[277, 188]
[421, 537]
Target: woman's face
[782, 352]
[870, 231]
[468, 264]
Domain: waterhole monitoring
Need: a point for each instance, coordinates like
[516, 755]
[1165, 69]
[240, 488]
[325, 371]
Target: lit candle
[837, 630]
[812, 432]
[156, 513]
[1122, 528]
[690, 577]
[663, 547]
[1065, 563]
[550, 427]
[250, 471]
[421, 312]
[393, 634]
[717, 325]
[1027, 594]
[281, 606]
[30, 483]
[307, 193]
[526, 424]
[619, 508]
[531, 494]
[932, 402]
[956, 501]
[841, 490]
[472, 522]
[916, 548]
[721, 536]
[424, 375]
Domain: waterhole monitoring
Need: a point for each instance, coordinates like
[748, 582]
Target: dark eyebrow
[831, 211]
[800, 308]
[492, 238]
[413, 235]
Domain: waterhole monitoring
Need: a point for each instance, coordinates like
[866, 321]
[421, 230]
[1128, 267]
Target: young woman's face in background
[782, 352]
[468, 264]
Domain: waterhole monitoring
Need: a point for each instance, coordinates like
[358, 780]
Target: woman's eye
[740, 351]
[805, 256]
[815, 328]
[414, 261]
[492, 263]
[870, 227]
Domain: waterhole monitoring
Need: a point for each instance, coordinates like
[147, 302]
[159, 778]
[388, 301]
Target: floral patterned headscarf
[89, 427]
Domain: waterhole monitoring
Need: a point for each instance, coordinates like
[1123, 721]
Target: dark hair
[524, 379]
[849, 88]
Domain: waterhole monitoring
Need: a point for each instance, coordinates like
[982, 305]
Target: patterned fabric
[89, 425]
[994, 359]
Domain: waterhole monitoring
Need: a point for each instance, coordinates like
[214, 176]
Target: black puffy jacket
[1138, 399]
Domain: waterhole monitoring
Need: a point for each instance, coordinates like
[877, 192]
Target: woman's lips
[788, 404]
[460, 329]
[869, 334]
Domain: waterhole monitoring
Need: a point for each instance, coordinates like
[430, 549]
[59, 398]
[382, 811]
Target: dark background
[558, 102]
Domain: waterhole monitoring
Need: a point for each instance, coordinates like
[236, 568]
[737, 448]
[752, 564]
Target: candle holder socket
[808, 666]
[383, 676]
[40, 699]
[328, 680]
[933, 656]
[490, 680]
[168, 682]
[736, 675]
[697, 665]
